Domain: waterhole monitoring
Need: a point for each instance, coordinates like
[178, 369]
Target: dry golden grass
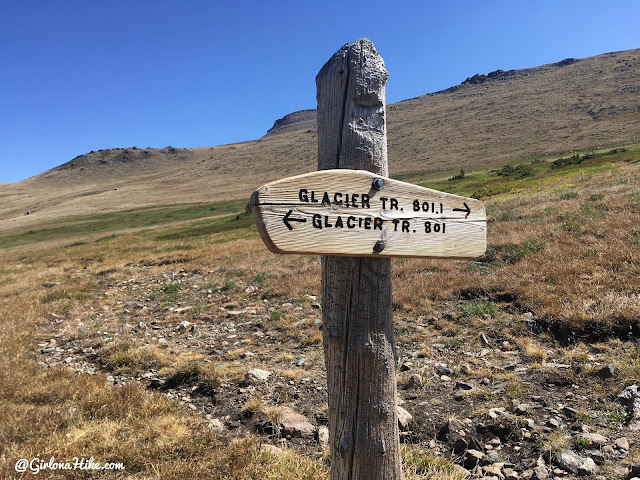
[58, 413]
[531, 350]
[556, 442]
[584, 278]
[543, 110]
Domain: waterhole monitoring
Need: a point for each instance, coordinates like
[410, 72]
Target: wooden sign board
[358, 213]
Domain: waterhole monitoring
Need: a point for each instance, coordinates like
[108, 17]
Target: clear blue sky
[83, 75]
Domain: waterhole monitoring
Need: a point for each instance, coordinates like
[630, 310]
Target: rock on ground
[294, 424]
[404, 418]
[630, 397]
[257, 375]
[574, 463]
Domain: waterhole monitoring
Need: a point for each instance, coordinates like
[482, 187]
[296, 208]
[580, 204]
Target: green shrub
[259, 278]
[478, 308]
[172, 287]
[573, 160]
[459, 176]
[228, 285]
[519, 171]
[55, 296]
[568, 195]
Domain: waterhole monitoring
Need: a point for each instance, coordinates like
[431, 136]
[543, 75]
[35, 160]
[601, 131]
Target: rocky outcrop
[300, 120]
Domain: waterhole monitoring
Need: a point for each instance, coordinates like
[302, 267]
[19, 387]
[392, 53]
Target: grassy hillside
[94, 362]
[490, 120]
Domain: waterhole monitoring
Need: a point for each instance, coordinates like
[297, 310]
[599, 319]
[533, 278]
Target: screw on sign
[357, 219]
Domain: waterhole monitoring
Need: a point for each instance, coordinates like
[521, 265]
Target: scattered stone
[527, 474]
[156, 383]
[300, 362]
[491, 458]
[484, 340]
[510, 474]
[294, 424]
[574, 463]
[472, 458]
[454, 432]
[322, 437]
[597, 455]
[622, 443]
[251, 289]
[406, 366]
[183, 325]
[630, 397]
[460, 445]
[570, 412]
[608, 450]
[540, 473]
[553, 423]
[463, 386]
[593, 440]
[608, 371]
[460, 470]
[442, 369]
[124, 329]
[414, 382]
[256, 375]
[182, 309]
[496, 412]
[635, 470]
[404, 418]
[522, 409]
[216, 425]
[495, 471]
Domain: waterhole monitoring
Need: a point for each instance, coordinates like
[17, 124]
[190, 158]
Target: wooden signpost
[357, 218]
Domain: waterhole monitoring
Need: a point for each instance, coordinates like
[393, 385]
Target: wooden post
[357, 309]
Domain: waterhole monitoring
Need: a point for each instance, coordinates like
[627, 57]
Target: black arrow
[465, 209]
[286, 220]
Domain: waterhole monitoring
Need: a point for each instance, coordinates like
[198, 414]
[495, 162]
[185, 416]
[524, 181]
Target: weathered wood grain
[357, 309]
[337, 212]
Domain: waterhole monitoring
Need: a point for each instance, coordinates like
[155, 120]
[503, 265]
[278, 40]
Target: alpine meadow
[143, 321]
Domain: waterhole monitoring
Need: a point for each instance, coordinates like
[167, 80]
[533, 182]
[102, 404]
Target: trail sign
[359, 213]
[355, 217]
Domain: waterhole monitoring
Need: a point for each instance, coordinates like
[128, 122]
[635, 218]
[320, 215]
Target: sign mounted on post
[359, 213]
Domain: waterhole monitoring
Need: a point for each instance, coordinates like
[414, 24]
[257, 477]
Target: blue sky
[83, 75]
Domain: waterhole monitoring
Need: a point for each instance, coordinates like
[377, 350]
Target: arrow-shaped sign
[287, 219]
[465, 209]
[346, 212]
